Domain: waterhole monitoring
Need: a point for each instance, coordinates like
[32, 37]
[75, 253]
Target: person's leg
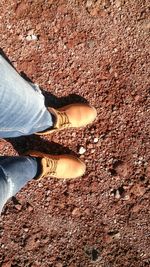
[15, 172]
[22, 108]
[23, 111]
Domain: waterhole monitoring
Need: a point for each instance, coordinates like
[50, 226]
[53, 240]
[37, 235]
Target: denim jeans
[22, 112]
[22, 108]
[15, 172]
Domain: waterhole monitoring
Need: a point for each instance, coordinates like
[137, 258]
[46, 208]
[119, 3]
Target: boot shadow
[53, 101]
[34, 142]
[50, 99]
[56, 102]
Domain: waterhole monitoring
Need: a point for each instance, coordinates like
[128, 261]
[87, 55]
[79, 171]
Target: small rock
[126, 197]
[119, 3]
[32, 37]
[48, 192]
[92, 151]
[28, 38]
[91, 44]
[114, 234]
[117, 194]
[95, 140]
[82, 150]
[18, 206]
[40, 185]
[73, 134]
[115, 50]
[106, 3]
[76, 212]
[48, 199]
[87, 211]
[94, 11]
[30, 208]
[117, 236]
[89, 3]
[111, 70]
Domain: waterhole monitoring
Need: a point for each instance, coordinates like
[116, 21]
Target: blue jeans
[22, 112]
[15, 172]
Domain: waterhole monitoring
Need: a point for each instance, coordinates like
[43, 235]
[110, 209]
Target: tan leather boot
[59, 166]
[74, 115]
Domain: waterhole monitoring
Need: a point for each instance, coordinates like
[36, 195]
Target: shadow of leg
[33, 142]
[56, 102]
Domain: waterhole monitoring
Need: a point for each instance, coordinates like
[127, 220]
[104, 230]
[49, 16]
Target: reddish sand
[98, 51]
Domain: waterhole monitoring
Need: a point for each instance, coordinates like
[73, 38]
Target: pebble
[48, 192]
[76, 212]
[26, 230]
[40, 185]
[89, 3]
[117, 236]
[73, 134]
[126, 197]
[30, 208]
[18, 206]
[82, 150]
[95, 140]
[87, 211]
[119, 3]
[34, 37]
[31, 37]
[117, 194]
[28, 38]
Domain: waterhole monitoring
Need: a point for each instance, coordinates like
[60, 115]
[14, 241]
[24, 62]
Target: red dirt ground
[100, 51]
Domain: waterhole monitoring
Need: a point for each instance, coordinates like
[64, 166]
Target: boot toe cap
[92, 114]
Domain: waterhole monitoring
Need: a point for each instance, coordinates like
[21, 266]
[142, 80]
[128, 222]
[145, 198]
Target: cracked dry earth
[98, 51]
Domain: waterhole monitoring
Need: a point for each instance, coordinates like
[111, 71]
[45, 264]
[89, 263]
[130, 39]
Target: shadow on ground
[33, 142]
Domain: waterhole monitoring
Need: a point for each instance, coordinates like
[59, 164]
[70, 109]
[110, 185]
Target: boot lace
[51, 165]
[63, 120]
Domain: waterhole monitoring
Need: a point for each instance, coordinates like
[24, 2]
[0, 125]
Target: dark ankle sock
[53, 119]
[39, 167]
